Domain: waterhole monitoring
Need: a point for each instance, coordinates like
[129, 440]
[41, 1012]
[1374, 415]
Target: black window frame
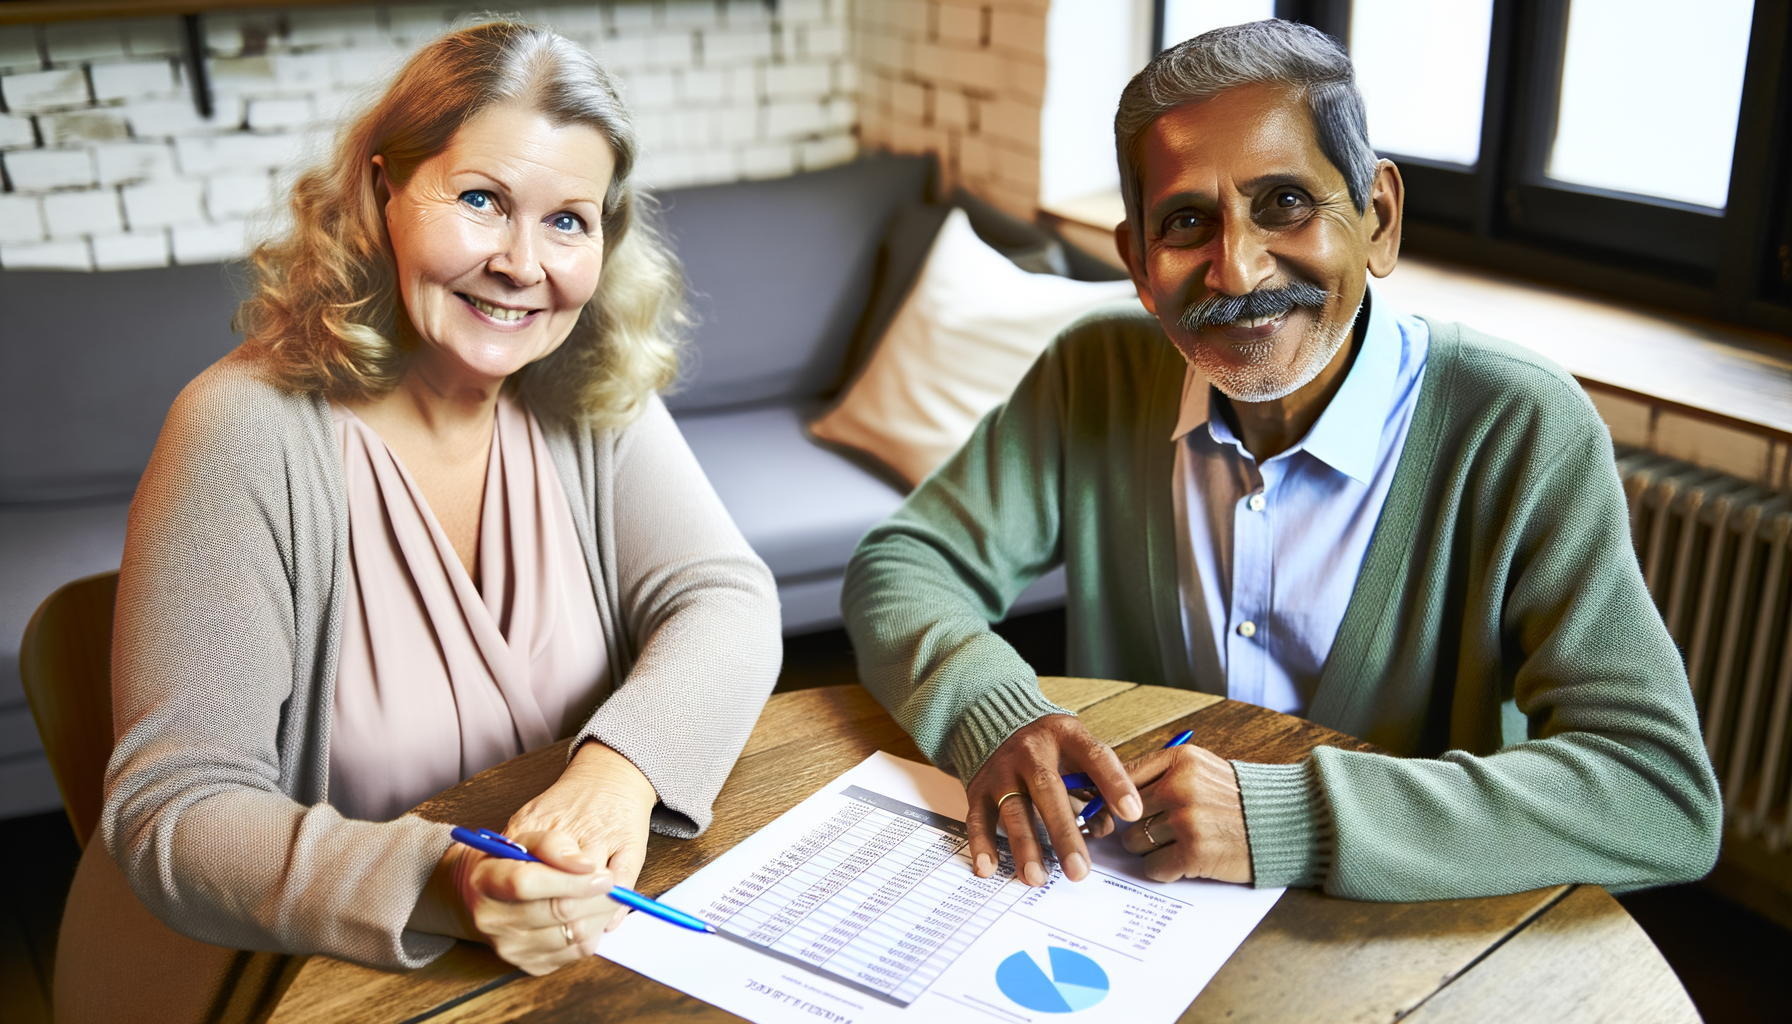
[1503, 214]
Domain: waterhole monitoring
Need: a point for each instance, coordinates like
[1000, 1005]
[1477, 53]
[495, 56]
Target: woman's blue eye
[566, 222]
[478, 199]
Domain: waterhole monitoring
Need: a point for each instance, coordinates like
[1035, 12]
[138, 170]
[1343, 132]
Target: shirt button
[1256, 505]
[1247, 629]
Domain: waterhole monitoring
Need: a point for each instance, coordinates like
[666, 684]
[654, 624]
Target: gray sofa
[782, 273]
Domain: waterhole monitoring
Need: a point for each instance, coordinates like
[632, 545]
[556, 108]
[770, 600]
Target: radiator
[1714, 553]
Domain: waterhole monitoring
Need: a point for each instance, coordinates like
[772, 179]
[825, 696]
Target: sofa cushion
[779, 272]
[802, 507]
[91, 363]
[968, 332]
[908, 240]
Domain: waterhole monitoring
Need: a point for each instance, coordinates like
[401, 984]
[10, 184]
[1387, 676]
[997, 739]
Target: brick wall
[961, 78]
[108, 165]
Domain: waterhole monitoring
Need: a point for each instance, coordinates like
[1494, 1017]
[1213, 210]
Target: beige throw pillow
[960, 343]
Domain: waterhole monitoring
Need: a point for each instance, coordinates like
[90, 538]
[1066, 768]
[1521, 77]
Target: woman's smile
[499, 315]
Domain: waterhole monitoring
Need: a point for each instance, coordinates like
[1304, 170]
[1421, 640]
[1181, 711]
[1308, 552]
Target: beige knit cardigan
[230, 606]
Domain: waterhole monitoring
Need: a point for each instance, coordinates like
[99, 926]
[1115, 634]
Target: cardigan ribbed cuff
[1288, 823]
[991, 719]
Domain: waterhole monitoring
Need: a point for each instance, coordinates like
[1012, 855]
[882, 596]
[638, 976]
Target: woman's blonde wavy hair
[325, 311]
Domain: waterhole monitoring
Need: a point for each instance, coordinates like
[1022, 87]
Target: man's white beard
[1260, 379]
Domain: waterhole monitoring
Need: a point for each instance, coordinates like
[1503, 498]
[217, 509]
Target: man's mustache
[1218, 309]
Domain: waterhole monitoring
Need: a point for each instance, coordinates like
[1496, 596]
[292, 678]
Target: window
[1650, 91]
[1640, 148]
[1186, 19]
[1092, 49]
[1398, 44]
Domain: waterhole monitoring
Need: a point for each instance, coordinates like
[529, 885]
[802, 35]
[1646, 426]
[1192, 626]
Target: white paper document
[859, 905]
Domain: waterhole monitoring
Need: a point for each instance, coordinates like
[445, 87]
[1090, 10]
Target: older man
[1269, 485]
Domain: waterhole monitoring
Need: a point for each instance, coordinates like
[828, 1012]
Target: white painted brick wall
[43, 90]
[76, 214]
[16, 131]
[21, 218]
[130, 252]
[120, 163]
[108, 165]
[130, 81]
[41, 170]
[18, 48]
[235, 196]
[73, 255]
[171, 202]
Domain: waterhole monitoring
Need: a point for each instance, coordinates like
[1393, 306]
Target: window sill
[1716, 395]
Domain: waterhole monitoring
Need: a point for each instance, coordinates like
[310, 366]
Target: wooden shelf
[29, 12]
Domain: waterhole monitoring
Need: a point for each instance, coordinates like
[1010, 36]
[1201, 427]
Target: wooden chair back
[66, 664]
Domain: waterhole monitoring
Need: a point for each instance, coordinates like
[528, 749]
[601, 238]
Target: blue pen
[1095, 806]
[499, 845]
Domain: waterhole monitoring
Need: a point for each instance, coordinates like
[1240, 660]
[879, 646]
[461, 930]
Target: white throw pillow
[962, 340]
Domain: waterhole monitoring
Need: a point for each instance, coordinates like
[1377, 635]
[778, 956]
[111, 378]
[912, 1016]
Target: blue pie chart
[1077, 982]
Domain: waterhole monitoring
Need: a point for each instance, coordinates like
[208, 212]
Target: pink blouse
[439, 679]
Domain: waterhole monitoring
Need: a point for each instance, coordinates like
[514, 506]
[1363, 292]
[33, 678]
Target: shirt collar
[1347, 435]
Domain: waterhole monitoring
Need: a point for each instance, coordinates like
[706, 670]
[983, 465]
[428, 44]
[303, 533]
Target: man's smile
[1247, 330]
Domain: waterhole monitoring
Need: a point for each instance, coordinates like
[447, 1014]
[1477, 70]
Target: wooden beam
[32, 12]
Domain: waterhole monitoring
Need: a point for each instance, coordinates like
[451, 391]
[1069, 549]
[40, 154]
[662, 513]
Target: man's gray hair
[1277, 52]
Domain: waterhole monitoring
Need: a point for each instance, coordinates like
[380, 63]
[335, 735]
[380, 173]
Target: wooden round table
[1564, 953]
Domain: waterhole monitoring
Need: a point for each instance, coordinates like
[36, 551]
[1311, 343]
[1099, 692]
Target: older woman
[429, 516]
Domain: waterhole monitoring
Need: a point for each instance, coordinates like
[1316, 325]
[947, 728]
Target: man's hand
[1031, 763]
[1193, 824]
[604, 803]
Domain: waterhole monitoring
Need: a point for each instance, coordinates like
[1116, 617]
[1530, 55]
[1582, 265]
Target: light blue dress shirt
[1268, 553]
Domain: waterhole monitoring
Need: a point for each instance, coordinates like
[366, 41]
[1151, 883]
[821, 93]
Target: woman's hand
[1193, 825]
[603, 802]
[539, 917]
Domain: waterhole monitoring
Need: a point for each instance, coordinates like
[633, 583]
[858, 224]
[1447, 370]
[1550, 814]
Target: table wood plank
[1076, 693]
[1319, 959]
[1141, 709]
[1585, 960]
[1244, 732]
[334, 990]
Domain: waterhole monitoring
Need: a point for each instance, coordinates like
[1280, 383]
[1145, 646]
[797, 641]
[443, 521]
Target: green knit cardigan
[1499, 641]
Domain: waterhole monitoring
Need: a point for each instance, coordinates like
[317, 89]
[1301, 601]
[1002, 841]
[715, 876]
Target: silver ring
[1149, 838]
[566, 930]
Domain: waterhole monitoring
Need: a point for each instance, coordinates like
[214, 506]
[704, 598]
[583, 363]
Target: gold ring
[1005, 797]
[566, 930]
[1147, 828]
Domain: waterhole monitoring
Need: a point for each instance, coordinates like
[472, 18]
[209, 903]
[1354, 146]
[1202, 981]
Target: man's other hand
[1030, 763]
[1193, 823]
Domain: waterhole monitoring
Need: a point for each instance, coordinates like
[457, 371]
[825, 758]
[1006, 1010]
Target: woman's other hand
[604, 803]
